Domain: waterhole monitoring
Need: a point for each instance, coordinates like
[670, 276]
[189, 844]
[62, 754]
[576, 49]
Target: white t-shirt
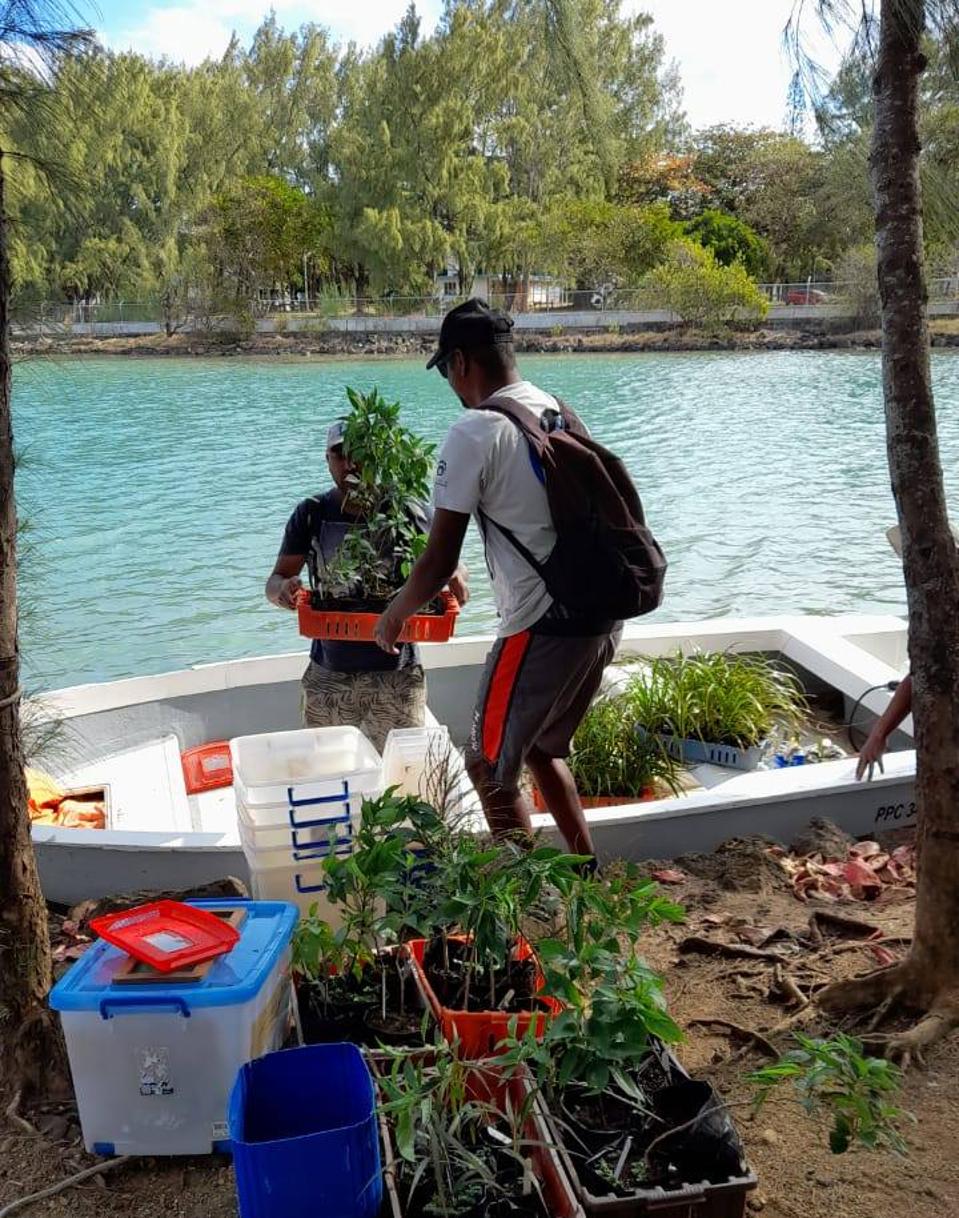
[485, 464]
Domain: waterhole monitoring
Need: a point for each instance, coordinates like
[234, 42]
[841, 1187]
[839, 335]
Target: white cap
[334, 434]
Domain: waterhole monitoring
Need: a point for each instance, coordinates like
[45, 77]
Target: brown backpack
[606, 564]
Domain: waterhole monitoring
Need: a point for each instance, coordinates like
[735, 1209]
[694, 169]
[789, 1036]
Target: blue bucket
[305, 1135]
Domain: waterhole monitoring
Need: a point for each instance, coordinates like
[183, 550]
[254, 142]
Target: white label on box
[221, 1130]
[155, 1072]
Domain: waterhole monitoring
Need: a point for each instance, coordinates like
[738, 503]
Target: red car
[805, 296]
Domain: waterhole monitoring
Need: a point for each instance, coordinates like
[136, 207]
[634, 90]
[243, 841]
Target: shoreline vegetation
[339, 345]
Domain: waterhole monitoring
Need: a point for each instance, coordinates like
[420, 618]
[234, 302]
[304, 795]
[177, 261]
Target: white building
[532, 292]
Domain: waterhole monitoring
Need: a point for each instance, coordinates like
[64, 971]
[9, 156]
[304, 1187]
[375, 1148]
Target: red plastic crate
[356, 627]
[480, 1032]
[167, 935]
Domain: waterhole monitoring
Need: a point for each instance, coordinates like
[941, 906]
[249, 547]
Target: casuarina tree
[927, 980]
[33, 38]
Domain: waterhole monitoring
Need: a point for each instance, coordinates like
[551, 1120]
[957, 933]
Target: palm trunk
[25, 965]
[929, 551]
[929, 977]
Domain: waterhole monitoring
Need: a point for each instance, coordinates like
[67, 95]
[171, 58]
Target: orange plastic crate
[600, 801]
[480, 1032]
[208, 767]
[355, 627]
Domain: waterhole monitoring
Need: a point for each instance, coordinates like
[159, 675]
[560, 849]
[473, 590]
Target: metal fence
[39, 315]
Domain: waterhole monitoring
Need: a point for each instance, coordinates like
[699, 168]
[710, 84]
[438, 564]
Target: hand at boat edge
[870, 755]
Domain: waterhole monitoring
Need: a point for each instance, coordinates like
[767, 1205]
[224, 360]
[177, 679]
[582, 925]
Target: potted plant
[391, 472]
[714, 706]
[634, 1133]
[613, 764]
[461, 1143]
[477, 970]
[355, 981]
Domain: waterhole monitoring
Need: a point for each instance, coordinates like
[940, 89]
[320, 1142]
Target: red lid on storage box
[167, 934]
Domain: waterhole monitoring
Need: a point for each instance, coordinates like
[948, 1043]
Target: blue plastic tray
[698, 752]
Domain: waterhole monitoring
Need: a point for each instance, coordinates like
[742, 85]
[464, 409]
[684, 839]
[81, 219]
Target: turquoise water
[157, 490]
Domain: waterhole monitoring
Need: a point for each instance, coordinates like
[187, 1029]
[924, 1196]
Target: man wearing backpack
[568, 554]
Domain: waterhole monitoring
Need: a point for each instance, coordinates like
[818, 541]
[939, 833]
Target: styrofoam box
[153, 1063]
[277, 773]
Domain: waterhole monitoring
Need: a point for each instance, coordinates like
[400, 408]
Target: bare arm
[900, 705]
[284, 581]
[433, 570]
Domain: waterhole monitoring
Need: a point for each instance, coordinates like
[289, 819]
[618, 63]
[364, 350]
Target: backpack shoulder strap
[522, 416]
[536, 437]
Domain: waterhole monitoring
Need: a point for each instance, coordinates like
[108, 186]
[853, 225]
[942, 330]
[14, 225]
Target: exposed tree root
[865, 993]
[749, 1035]
[35, 1059]
[732, 951]
[885, 990]
[12, 1113]
[789, 988]
[910, 1046]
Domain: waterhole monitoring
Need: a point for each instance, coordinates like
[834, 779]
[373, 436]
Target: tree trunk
[929, 977]
[25, 966]
[929, 551]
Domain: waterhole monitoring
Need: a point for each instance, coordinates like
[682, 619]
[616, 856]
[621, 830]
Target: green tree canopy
[731, 240]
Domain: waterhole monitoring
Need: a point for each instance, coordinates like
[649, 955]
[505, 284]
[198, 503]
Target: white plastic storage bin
[298, 799]
[302, 884]
[153, 1062]
[412, 754]
[284, 778]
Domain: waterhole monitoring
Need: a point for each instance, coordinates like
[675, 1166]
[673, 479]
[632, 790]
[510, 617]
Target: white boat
[127, 736]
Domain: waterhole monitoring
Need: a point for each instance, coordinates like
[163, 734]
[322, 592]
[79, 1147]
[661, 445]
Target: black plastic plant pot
[357, 1018]
[711, 1145]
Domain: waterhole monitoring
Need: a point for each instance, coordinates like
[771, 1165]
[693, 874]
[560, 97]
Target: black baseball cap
[471, 325]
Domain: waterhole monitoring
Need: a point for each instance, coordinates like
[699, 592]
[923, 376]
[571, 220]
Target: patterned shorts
[375, 702]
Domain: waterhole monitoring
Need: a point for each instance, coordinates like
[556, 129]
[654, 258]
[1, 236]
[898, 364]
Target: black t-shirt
[319, 521]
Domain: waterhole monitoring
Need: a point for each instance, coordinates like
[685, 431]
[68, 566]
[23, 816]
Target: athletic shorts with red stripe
[534, 692]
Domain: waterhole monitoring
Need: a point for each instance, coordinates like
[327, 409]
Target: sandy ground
[739, 899]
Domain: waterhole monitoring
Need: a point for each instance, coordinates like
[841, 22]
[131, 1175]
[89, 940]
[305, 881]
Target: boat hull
[148, 846]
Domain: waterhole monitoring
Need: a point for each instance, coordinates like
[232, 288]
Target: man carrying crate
[349, 682]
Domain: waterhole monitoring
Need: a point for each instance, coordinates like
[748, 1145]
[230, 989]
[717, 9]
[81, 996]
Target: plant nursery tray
[704, 1199]
[699, 752]
[357, 626]
[478, 1033]
[601, 801]
[488, 1083]
[167, 935]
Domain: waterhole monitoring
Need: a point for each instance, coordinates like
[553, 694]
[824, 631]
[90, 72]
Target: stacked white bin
[413, 758]
[298, 800]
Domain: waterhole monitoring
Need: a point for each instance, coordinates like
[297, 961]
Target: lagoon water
[156, 490]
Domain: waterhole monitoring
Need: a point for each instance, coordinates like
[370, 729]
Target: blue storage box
[305, 1135]
[153, 1062]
